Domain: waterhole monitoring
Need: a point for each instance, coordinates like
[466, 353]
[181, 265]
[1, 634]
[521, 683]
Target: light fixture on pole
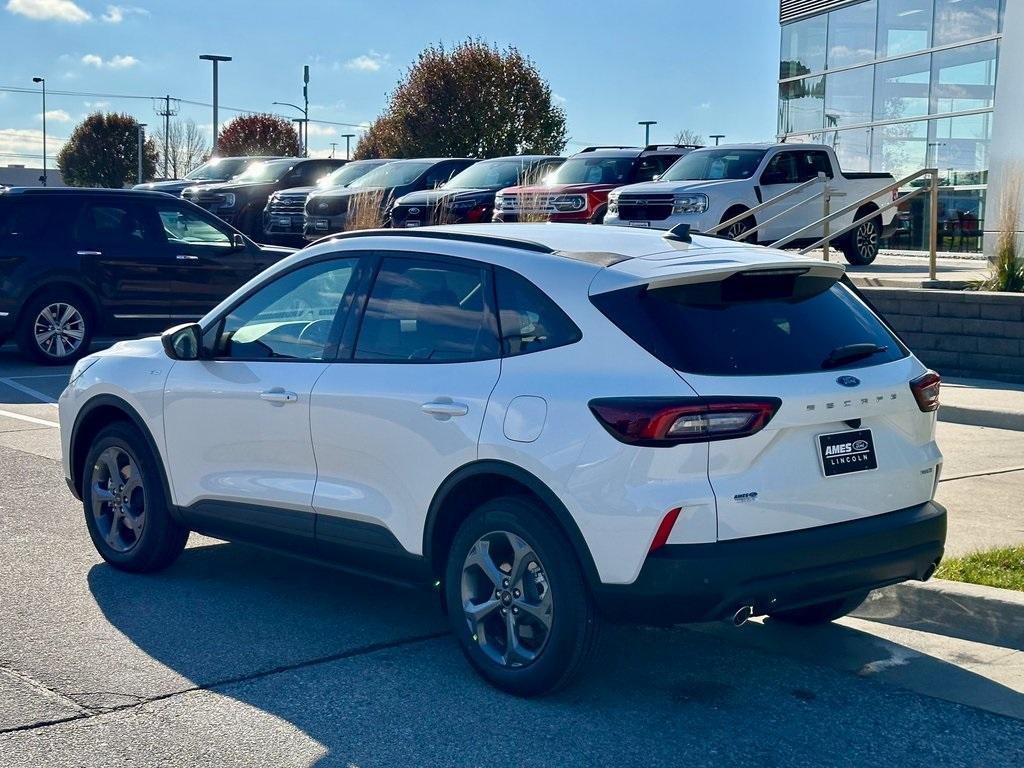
[647, 130]
[348, 138]
[42, 81]
[216, 61]
[717, 137]
[301, 121]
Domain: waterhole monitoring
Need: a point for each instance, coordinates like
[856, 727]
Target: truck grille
[288, 204]
[645, 207]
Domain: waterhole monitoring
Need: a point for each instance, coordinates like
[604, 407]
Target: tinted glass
[957, 20]
[426, 311]
[649, 166]
[964, 78]
[901, 88]
[851, 34]
[904, 26]
[803, 47]
[741, 330]
[852, 148]
[24, 221]
[530, 321]
[781, 169]
[848, 97]
[900, 149]
[391, 175]
[962, 148]
[271, 170]
[348, 173]
[112, 223]
[218, 168]
[593, 170]
[802, 105]
[490, 173]
[289, 319]
[184, 226]
[707, 164]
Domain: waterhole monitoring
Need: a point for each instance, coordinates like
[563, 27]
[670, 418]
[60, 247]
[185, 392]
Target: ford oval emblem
[860, 445]
[414, 211]
[848, 381]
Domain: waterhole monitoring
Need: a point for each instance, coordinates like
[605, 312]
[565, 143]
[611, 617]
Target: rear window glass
[747, 326]
[530, 321]
[22, 220]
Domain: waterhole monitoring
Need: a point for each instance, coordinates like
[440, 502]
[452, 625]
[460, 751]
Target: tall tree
[184, 145]
[475, 100]
[260, 134]
[687, 136]
[103, 151]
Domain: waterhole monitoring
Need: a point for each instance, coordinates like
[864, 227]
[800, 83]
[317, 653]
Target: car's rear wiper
[850, 352]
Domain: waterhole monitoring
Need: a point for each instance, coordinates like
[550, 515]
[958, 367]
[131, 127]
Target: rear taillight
[660, 421]
[926, 391]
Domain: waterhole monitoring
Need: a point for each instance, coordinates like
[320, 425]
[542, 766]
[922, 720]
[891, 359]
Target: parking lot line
[41, 396]
[29, 419]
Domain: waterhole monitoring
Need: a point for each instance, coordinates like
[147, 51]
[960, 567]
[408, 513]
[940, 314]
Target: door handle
[186, 257]
[90, 253]
[444, 409]
[278, 395]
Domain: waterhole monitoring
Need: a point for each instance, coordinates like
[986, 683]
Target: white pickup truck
[710, 185]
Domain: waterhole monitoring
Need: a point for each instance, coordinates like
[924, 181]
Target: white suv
[556, 424]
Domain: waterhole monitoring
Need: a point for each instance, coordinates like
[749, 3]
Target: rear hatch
[848, 438]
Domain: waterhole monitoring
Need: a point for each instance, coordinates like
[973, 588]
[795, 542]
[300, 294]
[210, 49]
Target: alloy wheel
[118, 499]
[736, 230]
[866, 240]
[59, 330]
[506, 599]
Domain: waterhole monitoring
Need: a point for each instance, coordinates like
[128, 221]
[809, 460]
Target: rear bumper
[707, 582]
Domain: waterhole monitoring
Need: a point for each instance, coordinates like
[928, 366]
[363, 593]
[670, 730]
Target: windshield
[710, 164]
[217, 169]
[392, 175]
[490, 173]
[342, 177]
[593, 170]
[269, 171]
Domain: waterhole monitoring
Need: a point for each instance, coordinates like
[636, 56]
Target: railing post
[933, 221]
[826, 206]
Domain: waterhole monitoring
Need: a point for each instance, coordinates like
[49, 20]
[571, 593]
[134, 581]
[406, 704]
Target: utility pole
[334, 146]
[142, 143]
[216, 60]
[42, 80]
[167, 113]
[647, 130]
[717, 136]
[348, 138]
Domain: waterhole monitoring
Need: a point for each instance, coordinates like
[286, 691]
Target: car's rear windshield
[753, 326]
[711, 164]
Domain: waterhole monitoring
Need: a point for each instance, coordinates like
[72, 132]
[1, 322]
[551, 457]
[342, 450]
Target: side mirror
[238, 241]
[183, 342]
[656, 177]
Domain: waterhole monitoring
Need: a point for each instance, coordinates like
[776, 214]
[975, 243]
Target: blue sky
[708, 66]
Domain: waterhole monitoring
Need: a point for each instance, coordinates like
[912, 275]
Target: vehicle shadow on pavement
[367, 671]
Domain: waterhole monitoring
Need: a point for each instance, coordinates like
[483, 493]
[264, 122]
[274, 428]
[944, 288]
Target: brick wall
[973, 334]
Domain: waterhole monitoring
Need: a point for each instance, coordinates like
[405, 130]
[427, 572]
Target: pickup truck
[710, 185]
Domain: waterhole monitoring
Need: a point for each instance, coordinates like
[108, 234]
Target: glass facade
[896, 86]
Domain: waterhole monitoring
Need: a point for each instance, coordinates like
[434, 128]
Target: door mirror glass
[182, 342]
[238, 241]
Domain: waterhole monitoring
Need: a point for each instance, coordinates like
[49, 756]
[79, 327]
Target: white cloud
[368, 62]
[26, 141]
[49, 10]
[96, 105]
[704, 105]
[115, 62]
[56, 115]
[558, 99]
[115, 13]
[321, 130]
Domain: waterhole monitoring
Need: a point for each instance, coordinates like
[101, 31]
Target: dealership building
[900, 85]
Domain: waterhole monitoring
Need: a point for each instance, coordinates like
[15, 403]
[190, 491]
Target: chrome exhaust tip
[742, 616]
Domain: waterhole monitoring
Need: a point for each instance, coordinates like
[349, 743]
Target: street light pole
[647, 130]
[348, 138]
[142, 143]
[301, 122]
[717, 136]
[216, 60]
[305, 110]
[42, 80]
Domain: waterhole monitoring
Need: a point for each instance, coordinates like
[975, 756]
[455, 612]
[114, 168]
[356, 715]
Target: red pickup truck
[578, 190]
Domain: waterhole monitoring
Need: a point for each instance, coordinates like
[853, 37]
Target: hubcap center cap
[506, 597]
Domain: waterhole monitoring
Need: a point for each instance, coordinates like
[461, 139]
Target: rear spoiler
[716, 270]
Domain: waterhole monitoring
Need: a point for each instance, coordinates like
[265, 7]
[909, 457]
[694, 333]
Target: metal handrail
[862, 219]
[761, 206]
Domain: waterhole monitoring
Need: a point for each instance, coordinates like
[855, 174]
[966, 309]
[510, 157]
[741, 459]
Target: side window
[529, 320]
[290, 318]
[439, 174]
[781, 169]
[652, 165]
[182, 225]
[428, 311]
[813, 163]
[111, 223]
[25, 220]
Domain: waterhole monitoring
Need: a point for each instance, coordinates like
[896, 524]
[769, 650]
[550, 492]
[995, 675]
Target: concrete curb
[975, 417]
[951, 608]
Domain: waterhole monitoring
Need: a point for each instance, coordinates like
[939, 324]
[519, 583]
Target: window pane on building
[901, 88]
[964, 78]
[802, 105]
[961, 148]
[848, 97]
[851, 34]
[904, 26]
[958, 20]
[900, 149]
[803, 47]
[852, 148]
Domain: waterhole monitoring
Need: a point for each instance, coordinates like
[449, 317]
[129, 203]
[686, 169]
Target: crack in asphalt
[982, 473]
[86, 713]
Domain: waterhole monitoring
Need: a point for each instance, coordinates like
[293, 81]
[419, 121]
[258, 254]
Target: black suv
[213, 171]
[77, 261]
[284, 215]
[469, 196]
[240, 201]
[374, 194]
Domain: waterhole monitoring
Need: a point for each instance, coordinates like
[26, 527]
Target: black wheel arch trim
[61, 278]
[113, 401]
[529, 481]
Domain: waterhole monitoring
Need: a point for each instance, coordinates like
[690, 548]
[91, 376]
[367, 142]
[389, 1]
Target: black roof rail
[651, 147]
[607, 146]
[433, 234]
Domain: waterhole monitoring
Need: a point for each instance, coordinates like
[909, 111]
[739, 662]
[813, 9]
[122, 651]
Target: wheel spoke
[113, 537]
[540, 611]
[522, 557]
[45, 336]
[477, 612]
[47, 316]
[109, 460]
[67, 314]
[60, 346]
[515, 653]
[480, 556]
[101, 494]
[74, 333]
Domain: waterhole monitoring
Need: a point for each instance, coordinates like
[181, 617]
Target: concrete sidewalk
[908, 269]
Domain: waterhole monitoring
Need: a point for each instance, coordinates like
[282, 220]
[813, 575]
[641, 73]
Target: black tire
[599, 214]
[735, 230]
[573, 623]
[46, 310]
[161, 539]
[821, 613]
[860, 247]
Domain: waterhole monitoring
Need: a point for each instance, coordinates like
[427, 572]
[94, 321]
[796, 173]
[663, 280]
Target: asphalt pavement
[239, 657]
